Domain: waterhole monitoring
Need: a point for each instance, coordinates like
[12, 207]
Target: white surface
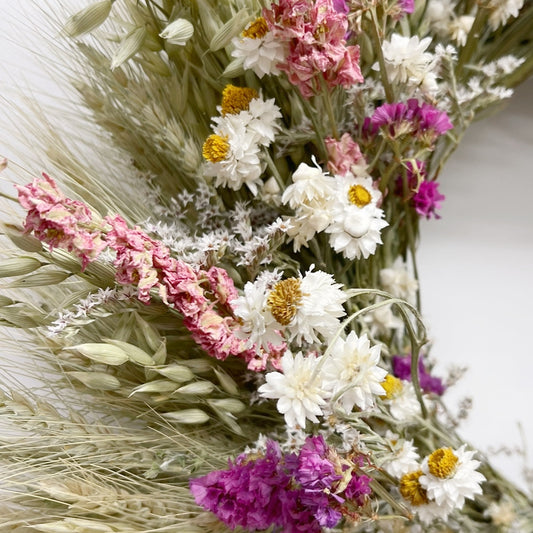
[476, 268]
[476, 262]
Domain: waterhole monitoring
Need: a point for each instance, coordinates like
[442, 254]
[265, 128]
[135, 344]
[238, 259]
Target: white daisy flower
[407, 62]
[232, 155]
[298, 390]
[357, 222]
[244, 106]
[311, 196]
[400, 398]
[351, 373]
[258, 48]
[450, 476]
[501, 10]
[397, 280]
[309, 184]
[257, 323]
[307, 306]
[403, 457]
[417, 499]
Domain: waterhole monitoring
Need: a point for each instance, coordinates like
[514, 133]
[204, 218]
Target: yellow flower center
[236, 99]
[215, 148]
[442, 463]
[411, 489]
[284, 299]
[392, 385]
[359, 196]
[256, 30]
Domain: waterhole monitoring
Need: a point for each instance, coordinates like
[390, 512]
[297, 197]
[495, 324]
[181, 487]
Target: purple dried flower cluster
[293, 492]
[401, 366]
[424, 121]
[427, 199]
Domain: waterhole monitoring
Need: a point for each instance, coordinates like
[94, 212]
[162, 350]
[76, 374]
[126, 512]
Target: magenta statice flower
[406, 6]
[424, 121]
[401, 366]
[315, 470]
[428, 199]
[297, 493]
[60, 221]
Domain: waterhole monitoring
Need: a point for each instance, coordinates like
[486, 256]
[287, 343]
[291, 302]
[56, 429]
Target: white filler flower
[299, 392]
[351, 372]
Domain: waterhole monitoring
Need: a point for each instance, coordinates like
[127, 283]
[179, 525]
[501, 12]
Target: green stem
[329, 108]
[472, 41]
[389, 91]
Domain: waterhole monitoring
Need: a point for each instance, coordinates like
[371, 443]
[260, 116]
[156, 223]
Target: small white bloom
[260, 51]
[508, 64]
[351, 372]
[502, 513]
[258, 324]
[357, 222]
[401, 399]
[460, 28]
[501, 10]
[299, 392]
[397, 280]
[260, 119]
[310, 195]
[407, 62]
[233, 156]
[382, 320]
[450, 476]
[403, 457]
[309, 185]
[439, 13]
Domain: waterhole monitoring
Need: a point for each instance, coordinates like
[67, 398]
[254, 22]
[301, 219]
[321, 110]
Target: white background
[475, 263]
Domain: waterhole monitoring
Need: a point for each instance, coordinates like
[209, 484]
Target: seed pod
[22, 240]
[96, 380]
[159, 385]
[226, 382]
[231, 405]
[101, 352]
[229, 30]
[87, 19]
[188, 416]
[128, 47]
[177, 373]
[39, 279]
[234, 69]
[200, 388]
[135, 354]
[18, 266]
